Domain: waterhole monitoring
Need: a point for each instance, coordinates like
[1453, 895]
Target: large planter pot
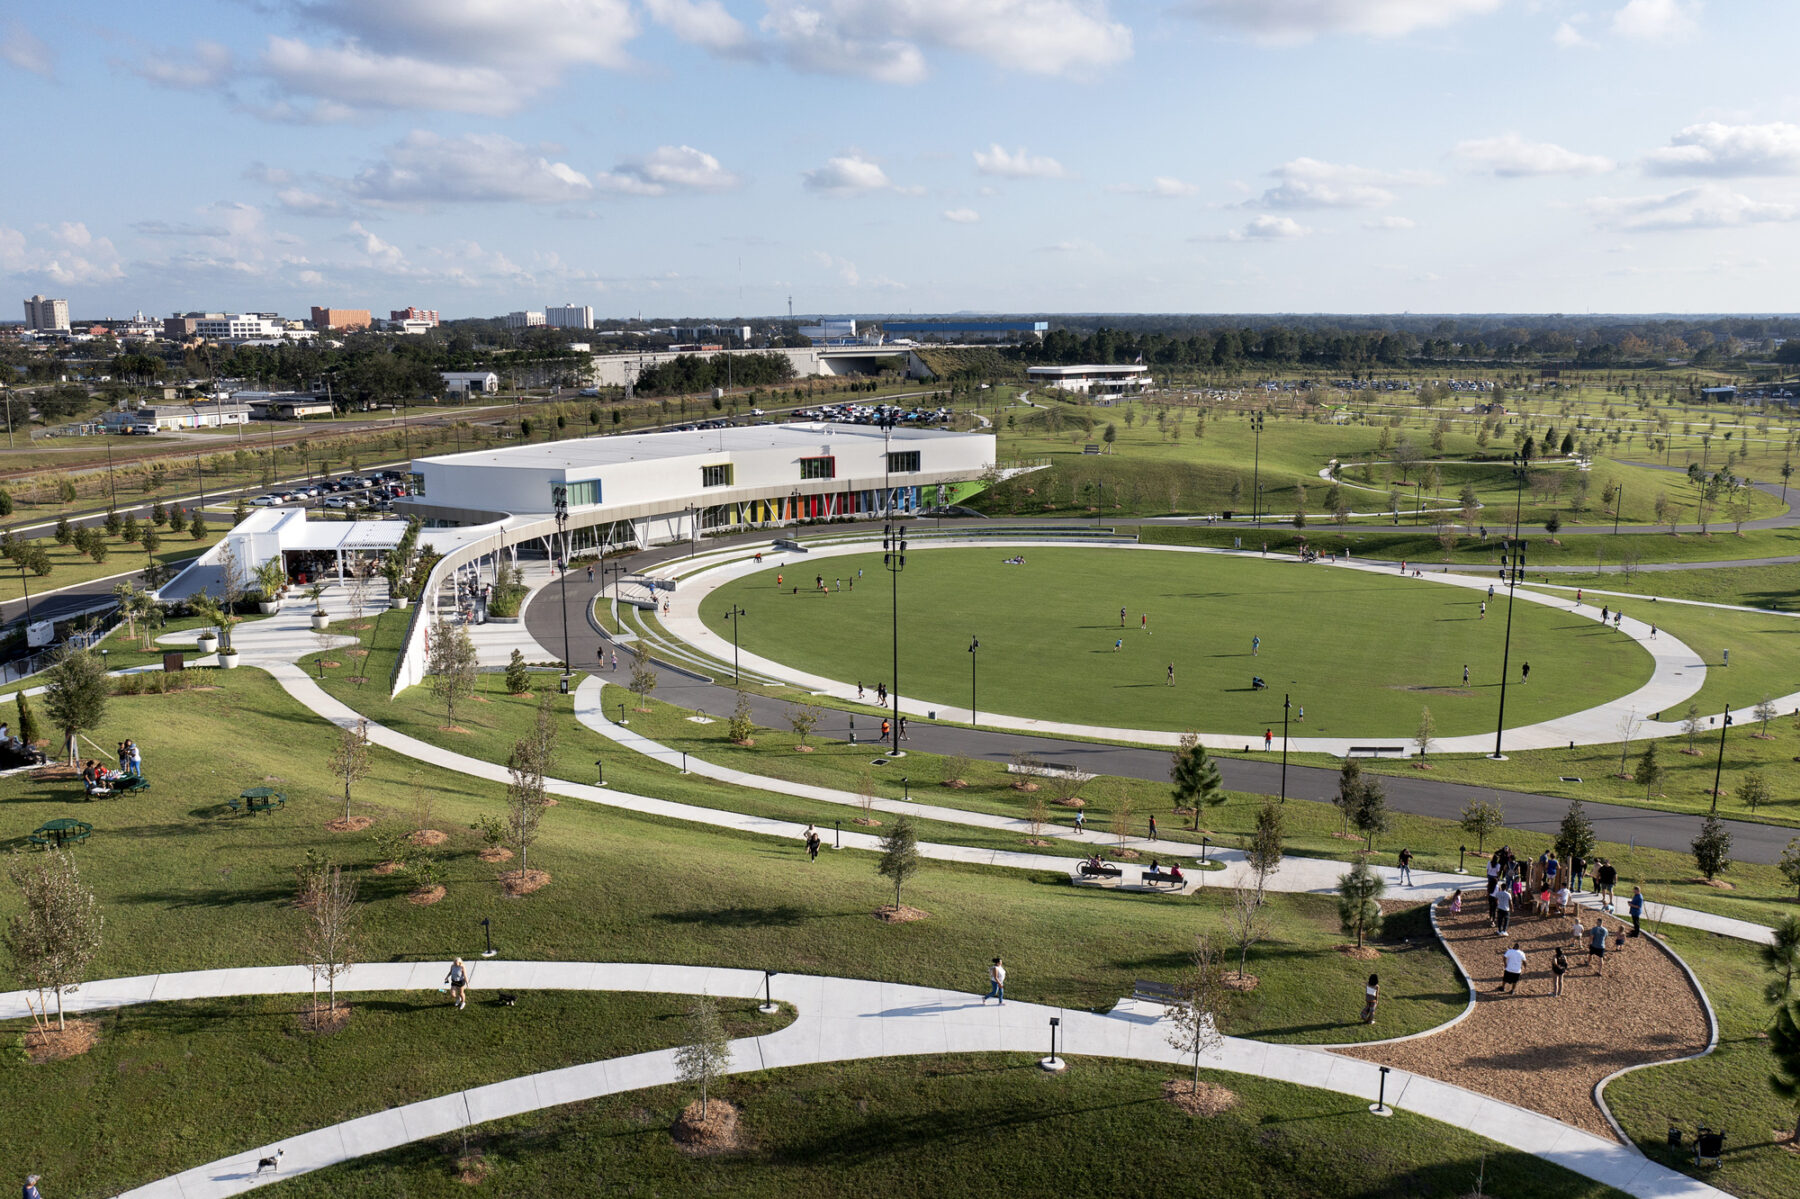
[268, 607]
[209, 643]
[401, 602]
[229, 659]
[320, 622]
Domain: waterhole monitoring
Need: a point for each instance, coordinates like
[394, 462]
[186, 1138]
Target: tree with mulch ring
[707, 1130]
[899, 858]
[904, 914]
[427, 837]
[523, 882]
[349, 824]
[705, 1127]
[51, 941]
[1198, 1098]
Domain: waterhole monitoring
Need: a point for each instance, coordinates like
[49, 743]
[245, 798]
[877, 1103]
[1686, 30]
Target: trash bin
[173, 660]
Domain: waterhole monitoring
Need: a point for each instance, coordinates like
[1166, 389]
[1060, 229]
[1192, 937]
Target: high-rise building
[428, 315]
[524, 320]
[49, 316]
[339, 318]
[570, 316]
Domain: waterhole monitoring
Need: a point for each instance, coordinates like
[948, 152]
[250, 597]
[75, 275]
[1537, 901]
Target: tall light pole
[1619, 502]
[973, 646]
[1256, 425]
[1286, 702]
[559, 494]
[112, 484]
[893, 557]
[1514, 572]
[1719, 768]
[736, 617]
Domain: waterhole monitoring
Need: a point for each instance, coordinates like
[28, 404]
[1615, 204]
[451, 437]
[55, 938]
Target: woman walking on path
[1559, 966]
[996, 984]
[458, 978]
[1406, 868]
[1371, 995]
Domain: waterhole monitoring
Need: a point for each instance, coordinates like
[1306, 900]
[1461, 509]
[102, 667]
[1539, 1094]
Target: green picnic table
[258, 799]
[64, 831]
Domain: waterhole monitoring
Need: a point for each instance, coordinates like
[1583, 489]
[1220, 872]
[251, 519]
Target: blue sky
[714, 157]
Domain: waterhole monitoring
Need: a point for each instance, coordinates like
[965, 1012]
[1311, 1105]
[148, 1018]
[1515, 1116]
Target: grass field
[170, 1085]
[1362, 653]
[962, 1125]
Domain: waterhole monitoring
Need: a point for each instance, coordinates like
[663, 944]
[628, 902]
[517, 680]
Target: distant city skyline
[711, 158]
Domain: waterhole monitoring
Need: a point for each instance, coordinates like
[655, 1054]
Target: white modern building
[310, 551]
[238, 327]
[651, 488]
[156, 418]
[570, 316]
[44, 315]
[524, 320]
[462, 383]
[1093, 380]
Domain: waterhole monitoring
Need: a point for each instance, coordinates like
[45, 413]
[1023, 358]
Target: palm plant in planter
[270, 579]
[216, 614]
[316, 593]
[394, 573]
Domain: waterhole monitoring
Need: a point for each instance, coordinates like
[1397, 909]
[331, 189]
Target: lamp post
[893, 557]
[1619, 502]
[1513, 574]
[1205, 845]
[599, 772]
[768, 1003]
[1053, 1063]
[1380, 1107]
[622, 719]
[112, 484]
[973, 646]
[487, 932]
[1256, 426]
[200, 481]
[1720, 766]
[1285, 704]
[736, 617]
[559, 495]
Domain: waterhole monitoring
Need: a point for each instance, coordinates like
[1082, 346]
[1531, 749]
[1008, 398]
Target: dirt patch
[472, 1170]
[325, 1021]
[955, 784]
[887, 913]
[453, 728]
[1717, 883]
[349, 824]
[427, 836]
[803, 749]
[495, 853]
[1074, 801]
[1426, 689]
[425, 896]
[54, 1044]
[481, 699]
[1025, 786]
[383, 869]
[524, 882]
[358, 679]
[1204, 1100]
[1347, 837]
[1547, 1052]
[550, 801]
[746, 743]
[716, 1134]
[866, 821]
[328, 664]
[1039, 842]
[1128, 855]
[1234, 981]
[1786, 1139]
[1362, 953]
[55, 774]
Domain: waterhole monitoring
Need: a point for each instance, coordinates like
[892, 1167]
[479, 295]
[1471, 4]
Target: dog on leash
[506, 999]
[271, 1164]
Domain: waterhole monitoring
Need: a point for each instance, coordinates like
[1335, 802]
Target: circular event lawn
[1361, 652]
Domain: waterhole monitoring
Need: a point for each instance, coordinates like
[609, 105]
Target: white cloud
[809, 40]
[425, 168]
[666, 169]
[1390, 224]
[1286, 21]
[1017, 165]
[1271, 228]
[68, 255]
[848, 175]
[1309, 183]
[1568, 36]
[704, 23]
[26, 51]
[1511, 156]
[526, 38]
[379, 253]
[1162, 187]
[1709, 206]
[352, 76]
[1728, 150]
[210, 65]
[1656, 20]
[962, 216]
[300, 202]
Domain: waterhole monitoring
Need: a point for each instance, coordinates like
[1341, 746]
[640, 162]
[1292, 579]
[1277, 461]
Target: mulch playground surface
[1546, 1052]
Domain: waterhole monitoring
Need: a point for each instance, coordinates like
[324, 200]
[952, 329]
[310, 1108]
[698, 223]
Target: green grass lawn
[168, 1086]
[1728, 1089]
[1773, 587]
[184, 885]
[958, 1125]
[1362, 653]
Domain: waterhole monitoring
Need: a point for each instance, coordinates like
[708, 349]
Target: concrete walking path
[839, 1019]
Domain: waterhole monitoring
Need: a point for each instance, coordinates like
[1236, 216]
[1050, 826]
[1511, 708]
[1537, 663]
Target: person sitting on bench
[1175, 875]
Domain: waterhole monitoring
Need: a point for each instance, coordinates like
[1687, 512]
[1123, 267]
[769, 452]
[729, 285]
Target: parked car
[338, 501]
[266, 501]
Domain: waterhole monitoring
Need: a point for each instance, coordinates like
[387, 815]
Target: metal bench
[1155, 992]
[1103, 870]
[1374, 751]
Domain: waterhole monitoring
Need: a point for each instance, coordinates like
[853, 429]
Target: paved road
[1613, 822]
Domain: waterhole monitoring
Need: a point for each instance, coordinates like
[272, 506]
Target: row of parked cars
[875, 414]
[376, 490]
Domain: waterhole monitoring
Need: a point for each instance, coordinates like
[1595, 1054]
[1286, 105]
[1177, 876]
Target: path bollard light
[837, 834]
[1380, 1107]
[1461, 852]
[906, 788]
[768, 1003]
[321, 668]
[622, 719]
[684, 761]
[1053, 1063]
[600, 772]
[1204, 843]
[487, 931]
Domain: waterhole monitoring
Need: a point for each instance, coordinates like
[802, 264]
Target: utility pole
[1256, 424]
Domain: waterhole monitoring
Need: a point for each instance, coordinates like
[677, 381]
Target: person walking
[812, 846]
[1637, 911]
[590, 572]
[1300, 715]
[1268, 739]
[996, 983]
[458, 978]
[1406, 868]
[1597, 947]
[1121, 618]
[1144, 622]
[1371, 996]
[1524, 672]
[1171, 674]
[1577, 871]
[1513, 959]
[1153, 828]
[1484, 609]
[886, 728]
[615, 659]
[31, 1187]
[1559, 966]
[903, 736]
[1118, 644]
[1606, 876]
[1465, 674]
[1503, 902]
[1255, 646]
[1080, 820]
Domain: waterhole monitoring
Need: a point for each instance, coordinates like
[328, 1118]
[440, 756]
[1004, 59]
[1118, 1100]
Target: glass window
[818, 468]
[587, 492]
[715, 476]
[902, 461]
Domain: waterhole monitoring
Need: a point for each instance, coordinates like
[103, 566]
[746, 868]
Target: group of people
[1551, 885]
[1015, 560]
[95, 774]
[811, 841]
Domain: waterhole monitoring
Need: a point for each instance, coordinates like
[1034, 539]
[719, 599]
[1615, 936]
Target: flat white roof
[807, 437]
[1064, 371]
[295, 532]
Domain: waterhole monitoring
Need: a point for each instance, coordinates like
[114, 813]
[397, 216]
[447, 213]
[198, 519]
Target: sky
[717, 157]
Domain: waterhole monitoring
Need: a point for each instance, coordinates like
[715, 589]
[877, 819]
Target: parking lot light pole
[973, 646]
[1719, 768]
[736, 617]
[560, 496]
[1256, 425]
[1513, 571]
[893, 557]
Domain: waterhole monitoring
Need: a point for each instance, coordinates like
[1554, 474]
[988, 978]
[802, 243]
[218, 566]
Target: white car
[338, 501]
[266, 501]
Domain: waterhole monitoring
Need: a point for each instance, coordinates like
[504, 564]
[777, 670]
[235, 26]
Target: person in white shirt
[996, 984]
[1514, 960]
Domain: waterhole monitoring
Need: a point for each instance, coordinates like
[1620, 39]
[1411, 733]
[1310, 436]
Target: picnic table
[258, 799]
[63, 831]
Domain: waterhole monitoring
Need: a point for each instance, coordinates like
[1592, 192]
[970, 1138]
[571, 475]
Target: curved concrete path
[839, 1019]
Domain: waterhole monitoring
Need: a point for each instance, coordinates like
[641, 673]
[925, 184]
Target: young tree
[1426, 733]
[518, 678]
[350, 759]
[803, 719]
[1628, 727]
[1196, 776]
[1359, 911]
[1782, 956]
[1575, 838]
[75, 694]
[450, 661]
[331, 934]
[1712, 848]
[1194, 1016]
[1481, 819]
[643, 681]
[1753, 790]
[1263, 850]
[1370, 814]
[28, 731]
[705, 1055]
[1790, 864]
[1649, 771]
[57, 931]
[525, 797]
[1037, 815]
[1246, 923]
[1765, 712]
[1692, 727]
[899, 855]
[740, 726]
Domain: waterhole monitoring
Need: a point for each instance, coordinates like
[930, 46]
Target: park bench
[1090, 870]
[39, 840]
[1154, 992]
[1153, 877]
[1373, 751]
